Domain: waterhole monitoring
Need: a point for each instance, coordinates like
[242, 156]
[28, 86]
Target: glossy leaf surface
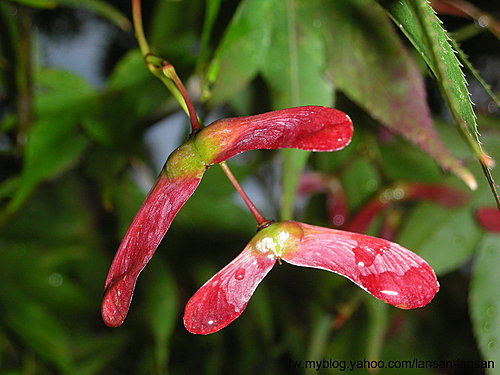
[443, 195]
[370, 64]
[242, 50]
[445, 237]
[484, 304]
[419, 23]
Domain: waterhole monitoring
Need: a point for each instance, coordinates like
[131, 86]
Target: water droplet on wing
[239, 274]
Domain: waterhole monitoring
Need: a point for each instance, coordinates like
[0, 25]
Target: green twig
[20, 40]
[162, 69]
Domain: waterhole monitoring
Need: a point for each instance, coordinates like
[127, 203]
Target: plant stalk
[162, 69]
[262, 222]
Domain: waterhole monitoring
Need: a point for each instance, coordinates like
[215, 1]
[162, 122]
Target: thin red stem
[193, 117]
[167, 69]
[261, 220]
[138, 29]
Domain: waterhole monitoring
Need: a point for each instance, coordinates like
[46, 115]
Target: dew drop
[210, 322]
[338, 220]
[371, 184]
[487, 326]
[56, 279]
[483, 21]
[492, 344]
[239, 274]
[398, 193]
[492, 107]
[389, 292]
[364, 255]
[490, 310]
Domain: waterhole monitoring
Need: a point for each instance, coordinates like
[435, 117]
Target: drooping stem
[17, 41]
[169, 71]
[138, 28]
[261, 220]
[163, 69]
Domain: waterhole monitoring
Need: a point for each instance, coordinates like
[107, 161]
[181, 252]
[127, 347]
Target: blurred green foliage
[72, 155]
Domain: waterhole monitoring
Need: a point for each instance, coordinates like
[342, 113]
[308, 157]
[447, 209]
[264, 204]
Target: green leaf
[54, 142]
[102, 9]
[48, 152]
[131, 93]
[484, 304]
[242, 50]
[37, 3]
[215, 198]
[410, 164]
[360, 181]
[59, 92]
[377, 328]
[444, 237]
[45, 278]
[128, 72]
[465, 60]
[162, 308]
[97, 351]
[320, 335]
[173, 29]
[37, 328]
[99, 7]
[419, 23]
[211, 11]
[293, 163]
[61, 214]
[369, 63]
[294, 69]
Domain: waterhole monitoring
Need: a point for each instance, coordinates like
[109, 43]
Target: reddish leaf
[140, 242]
[336, 203]
[489, 218]
[386, 81]
[390, 225]
[466, 9]
[451, 7]
[225, 296]
[446, 196]
[402, 192]
[312, 183]
[385, 269]
[311, 128]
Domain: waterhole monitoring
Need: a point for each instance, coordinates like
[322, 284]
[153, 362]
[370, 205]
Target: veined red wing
[224, 297]
[384, 269]
[146, 231]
